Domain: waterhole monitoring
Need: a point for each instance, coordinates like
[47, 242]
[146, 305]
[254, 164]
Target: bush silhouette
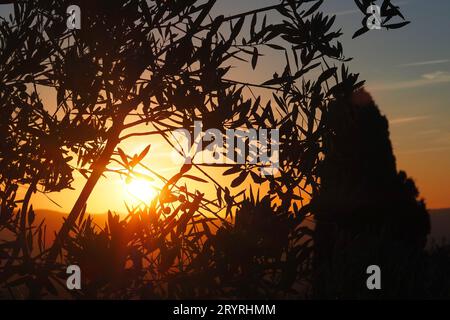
[256, 257]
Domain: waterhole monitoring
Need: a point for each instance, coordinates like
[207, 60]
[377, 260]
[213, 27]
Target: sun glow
[139, 191]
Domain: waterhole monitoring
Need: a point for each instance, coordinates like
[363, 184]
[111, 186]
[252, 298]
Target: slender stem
[22, 232]
[98, 169]
[23, 218]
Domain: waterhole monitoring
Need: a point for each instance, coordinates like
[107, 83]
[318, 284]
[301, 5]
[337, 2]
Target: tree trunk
[98, 169]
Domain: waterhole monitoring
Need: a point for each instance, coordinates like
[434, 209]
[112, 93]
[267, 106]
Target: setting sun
[139, 190]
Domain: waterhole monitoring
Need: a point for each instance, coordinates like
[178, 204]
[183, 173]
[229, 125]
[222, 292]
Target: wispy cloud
[437, 75]
[429, 132]
[424, 63]
[427, 79]
[407, 120]
[424, 150]
[443, 139]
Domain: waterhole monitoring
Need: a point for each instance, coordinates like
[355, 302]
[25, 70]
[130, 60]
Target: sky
[407, 71]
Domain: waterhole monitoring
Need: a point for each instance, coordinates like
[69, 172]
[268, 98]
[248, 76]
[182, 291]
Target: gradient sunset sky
[408, 74]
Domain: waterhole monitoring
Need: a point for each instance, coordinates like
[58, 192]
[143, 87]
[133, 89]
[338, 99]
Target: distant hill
[54, 220]
[440, 224]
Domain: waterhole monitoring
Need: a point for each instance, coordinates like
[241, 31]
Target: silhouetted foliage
[164, 65]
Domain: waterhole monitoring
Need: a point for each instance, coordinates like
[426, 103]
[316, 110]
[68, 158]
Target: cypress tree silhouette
[365, 209]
